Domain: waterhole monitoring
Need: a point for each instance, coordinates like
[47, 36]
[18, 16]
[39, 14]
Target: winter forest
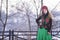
[20, 16]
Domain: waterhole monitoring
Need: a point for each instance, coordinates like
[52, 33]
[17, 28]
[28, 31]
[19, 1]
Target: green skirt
[43, 34]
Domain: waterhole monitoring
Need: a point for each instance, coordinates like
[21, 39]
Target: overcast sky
[49, 3]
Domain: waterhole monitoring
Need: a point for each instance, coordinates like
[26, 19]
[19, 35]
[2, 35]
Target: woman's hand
[49, 33]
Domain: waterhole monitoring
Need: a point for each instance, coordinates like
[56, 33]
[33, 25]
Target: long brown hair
[49, 15]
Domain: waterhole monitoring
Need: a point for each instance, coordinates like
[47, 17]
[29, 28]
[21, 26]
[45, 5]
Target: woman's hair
[49, 15]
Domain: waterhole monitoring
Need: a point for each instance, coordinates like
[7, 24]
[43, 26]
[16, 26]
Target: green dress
[42, 34]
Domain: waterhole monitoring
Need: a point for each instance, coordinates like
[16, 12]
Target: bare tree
[27, 11]
[26, 7]
[55, 6]
[4, 23]
[37, 7]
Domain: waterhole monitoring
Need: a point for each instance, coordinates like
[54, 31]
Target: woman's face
[44, 11]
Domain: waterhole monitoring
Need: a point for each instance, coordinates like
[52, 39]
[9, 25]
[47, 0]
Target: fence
[22, 35]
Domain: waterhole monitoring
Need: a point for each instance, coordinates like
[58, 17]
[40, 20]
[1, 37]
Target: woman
[44, 30]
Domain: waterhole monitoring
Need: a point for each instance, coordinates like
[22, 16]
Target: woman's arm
[37, 20]
[50, 25]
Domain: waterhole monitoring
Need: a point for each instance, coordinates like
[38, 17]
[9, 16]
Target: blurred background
[18, 18]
